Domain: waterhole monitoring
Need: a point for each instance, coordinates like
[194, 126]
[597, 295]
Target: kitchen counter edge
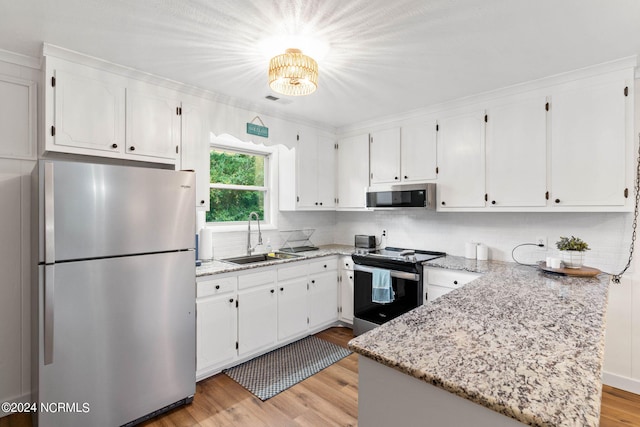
[218, 267]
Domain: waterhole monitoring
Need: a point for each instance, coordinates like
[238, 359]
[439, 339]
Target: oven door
[368, 314]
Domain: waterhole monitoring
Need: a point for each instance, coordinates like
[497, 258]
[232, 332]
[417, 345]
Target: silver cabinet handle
[48, 313]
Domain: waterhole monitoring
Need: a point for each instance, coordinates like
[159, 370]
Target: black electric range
[399, 259]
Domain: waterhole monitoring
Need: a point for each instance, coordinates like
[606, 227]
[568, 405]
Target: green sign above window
[258, 130]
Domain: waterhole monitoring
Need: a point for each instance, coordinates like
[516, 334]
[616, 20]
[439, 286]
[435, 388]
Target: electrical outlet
[541, 241]
[384, 233]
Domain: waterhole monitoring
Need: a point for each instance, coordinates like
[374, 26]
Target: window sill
[239, 227]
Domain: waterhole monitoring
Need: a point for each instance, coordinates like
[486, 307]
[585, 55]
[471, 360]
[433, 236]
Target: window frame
[230, 144]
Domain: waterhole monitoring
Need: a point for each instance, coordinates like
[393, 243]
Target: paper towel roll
[206, 244]
[482, 254]
[470, 249]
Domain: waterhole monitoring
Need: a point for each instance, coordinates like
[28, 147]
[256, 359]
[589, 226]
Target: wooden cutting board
[583, 271]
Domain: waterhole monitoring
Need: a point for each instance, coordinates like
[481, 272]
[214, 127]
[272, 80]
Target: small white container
[206, 244]
[553, 262]
[482, 252]
[470, 250]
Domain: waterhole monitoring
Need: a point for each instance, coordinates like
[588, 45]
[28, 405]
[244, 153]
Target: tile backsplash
[608, 234]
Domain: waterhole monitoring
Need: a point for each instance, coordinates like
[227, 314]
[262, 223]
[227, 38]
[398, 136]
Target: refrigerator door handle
[48, 313]
[49, 218]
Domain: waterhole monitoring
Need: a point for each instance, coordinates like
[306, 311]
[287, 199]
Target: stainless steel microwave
[402, 196]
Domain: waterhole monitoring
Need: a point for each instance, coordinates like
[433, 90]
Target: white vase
[572, 259]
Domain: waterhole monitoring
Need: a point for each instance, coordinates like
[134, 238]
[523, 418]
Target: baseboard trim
[624, 383]
[20, 399]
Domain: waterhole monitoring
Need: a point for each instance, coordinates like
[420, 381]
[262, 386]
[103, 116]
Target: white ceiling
[385, 56]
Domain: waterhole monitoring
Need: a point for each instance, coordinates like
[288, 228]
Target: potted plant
[572, 251]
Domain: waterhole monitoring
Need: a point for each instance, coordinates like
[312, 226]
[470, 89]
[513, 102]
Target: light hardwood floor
[329, 398]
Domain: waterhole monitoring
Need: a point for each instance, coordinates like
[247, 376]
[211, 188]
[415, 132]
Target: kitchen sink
[253, 259]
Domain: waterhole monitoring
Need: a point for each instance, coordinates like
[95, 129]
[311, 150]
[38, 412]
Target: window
[239, 183]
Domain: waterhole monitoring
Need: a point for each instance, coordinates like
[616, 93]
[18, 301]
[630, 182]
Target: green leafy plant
[572, 244]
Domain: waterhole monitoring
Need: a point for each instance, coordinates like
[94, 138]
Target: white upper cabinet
[418, 152]
[461, 169]
[326, 153]
[194, 154]
[307, 173]
[516, 152]
[95, 112]
[591, 132]
[153, 123]
[353, 171]
[385, 156]
[86, 110]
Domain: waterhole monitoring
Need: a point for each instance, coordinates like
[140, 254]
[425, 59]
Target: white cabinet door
[88, 110]
[292, 308]
[418, 155]
[588, 142]
[346, 296]
[315, 172]
[385, 156]
[216, 330]
[461, 161]
[153, 124]
[323, 298]
[307, 170]
[326, 172]
[194, 154]
[353, 171]
[257, 319]
[516, 153]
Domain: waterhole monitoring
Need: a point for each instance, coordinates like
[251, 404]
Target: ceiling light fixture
[293, 73]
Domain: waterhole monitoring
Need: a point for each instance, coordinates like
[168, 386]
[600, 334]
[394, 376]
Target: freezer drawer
[123, 337]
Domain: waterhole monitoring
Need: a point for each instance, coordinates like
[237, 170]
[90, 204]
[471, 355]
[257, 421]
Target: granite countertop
[218, 267]
[521, 342]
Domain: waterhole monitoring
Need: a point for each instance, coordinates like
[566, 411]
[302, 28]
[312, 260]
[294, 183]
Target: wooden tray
[583, 271]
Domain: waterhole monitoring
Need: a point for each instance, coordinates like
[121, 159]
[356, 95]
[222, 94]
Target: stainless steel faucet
[257, 218]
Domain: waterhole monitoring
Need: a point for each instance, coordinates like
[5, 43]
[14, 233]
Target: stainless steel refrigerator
[115, 293]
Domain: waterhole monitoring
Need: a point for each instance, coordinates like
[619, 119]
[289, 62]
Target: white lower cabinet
[439, 281]
[346, 290]
[323, 298]
[217, 326]
[216, 322]
[292, 308]
[257, 319]
[241, 315]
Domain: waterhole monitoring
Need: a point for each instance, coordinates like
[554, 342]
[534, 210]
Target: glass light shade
[293, 73]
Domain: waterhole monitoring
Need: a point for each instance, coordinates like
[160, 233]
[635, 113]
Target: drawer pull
[230, 299]
[217, 287]
[455, 282]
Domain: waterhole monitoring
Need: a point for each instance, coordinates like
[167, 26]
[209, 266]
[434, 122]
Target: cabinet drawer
[291, 272]
[325, 264]
[450, 278]
[216, 286]
[255, 279]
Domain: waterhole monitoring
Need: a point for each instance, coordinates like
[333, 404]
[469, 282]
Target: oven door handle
[398, 274]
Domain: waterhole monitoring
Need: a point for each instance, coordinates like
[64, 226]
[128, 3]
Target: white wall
[17, 159]
[608, 234]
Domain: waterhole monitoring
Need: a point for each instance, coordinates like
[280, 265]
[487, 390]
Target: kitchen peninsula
[514, 346]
